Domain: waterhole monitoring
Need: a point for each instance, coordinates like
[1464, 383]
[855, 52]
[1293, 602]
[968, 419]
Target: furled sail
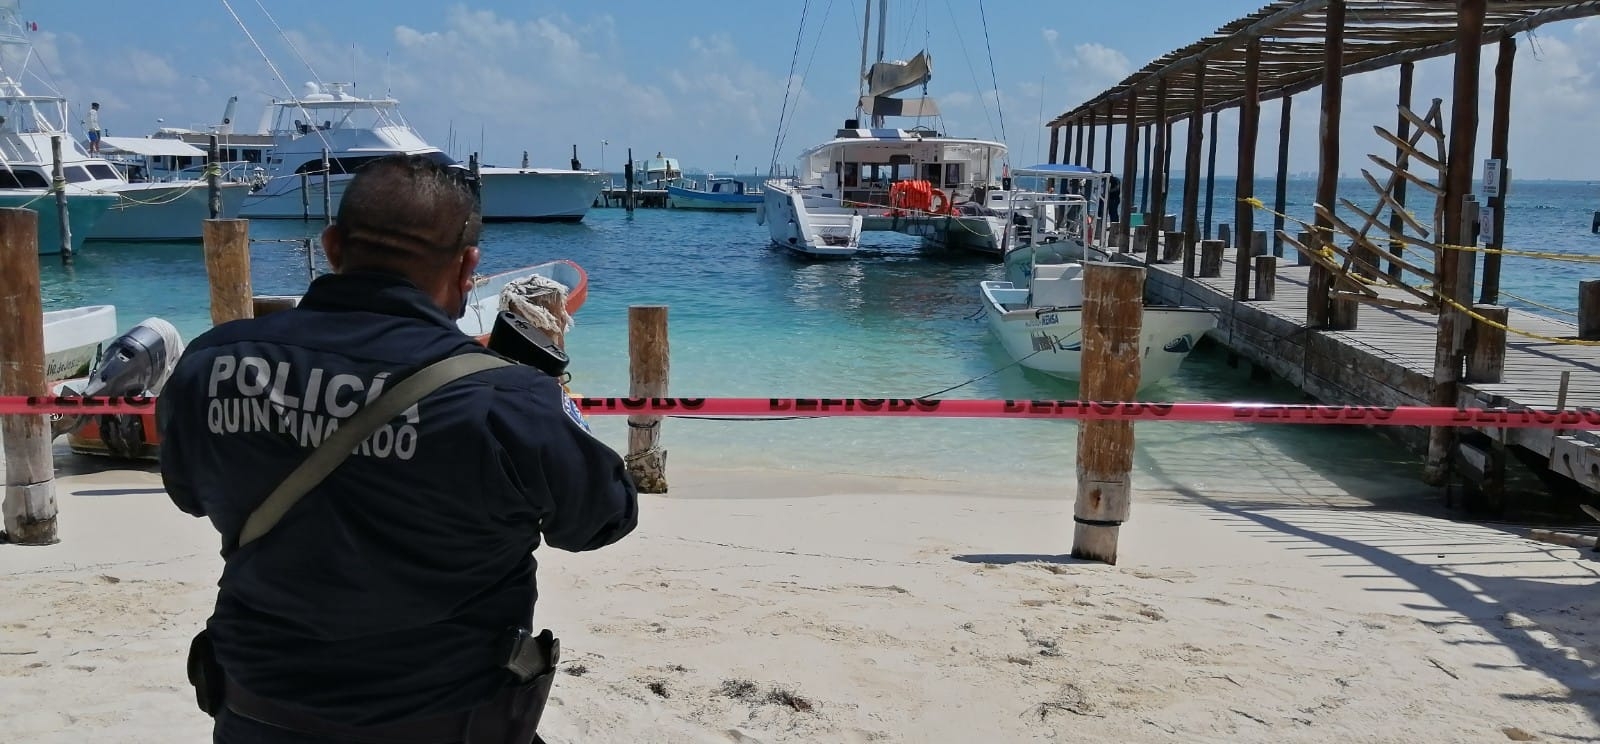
[889, 78]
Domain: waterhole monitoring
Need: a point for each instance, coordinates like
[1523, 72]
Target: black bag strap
[343, 442]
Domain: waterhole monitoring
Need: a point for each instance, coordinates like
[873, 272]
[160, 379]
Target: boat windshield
[305, 117]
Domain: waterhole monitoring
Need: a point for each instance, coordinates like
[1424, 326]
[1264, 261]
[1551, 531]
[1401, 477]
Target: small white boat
[72, 339]
[1041, 325]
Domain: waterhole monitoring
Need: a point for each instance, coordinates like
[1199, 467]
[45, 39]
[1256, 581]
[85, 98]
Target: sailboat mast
[866, 30]
[883, 25]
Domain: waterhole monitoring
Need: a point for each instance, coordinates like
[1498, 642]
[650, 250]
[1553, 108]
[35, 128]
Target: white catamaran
[915, 181]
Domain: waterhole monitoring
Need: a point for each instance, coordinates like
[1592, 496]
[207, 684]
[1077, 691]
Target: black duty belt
[441, 729]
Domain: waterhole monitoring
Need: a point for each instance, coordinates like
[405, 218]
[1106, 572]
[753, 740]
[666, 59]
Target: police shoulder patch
[571, 407]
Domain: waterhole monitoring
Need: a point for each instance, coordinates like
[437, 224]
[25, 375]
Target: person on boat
[392, 602]
[92, 124]
[1114, 198]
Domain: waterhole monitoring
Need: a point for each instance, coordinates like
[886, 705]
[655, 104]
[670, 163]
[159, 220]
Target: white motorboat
[72, 339]
[152, 210]
[1038, 315]
[353, 131]
[913, 181]
[488, 294]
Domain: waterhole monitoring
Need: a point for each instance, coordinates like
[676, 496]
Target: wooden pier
[617, 196]
[1386, 302]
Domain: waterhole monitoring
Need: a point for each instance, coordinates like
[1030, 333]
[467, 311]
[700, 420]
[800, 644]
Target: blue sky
[705, 81]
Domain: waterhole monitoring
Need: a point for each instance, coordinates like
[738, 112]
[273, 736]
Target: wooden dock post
[1111, 113]
[1113, 311]
[327, 189]
[1172, 246]
[1499, 143]
[59, 185]
[1486, 349]
[1319, 310]
[1163, 135]
[1211, 174]
[1068, 153]
[1266, 276]
[1114, 233]
[1303, 258]
[1403, 131]
[648, 369]
[305, 196]
[1244, 214]
[1089, 150]
[29, 504]
[1589, 309]
[1144, 241]
[1280, 201]
[1225, 233]
[627, 175]
[213, 179]
[1191, 172]
[1130, 166]
[1078, 148]
[1149, 166]
[227, 250]
[1258, 243]
[1458, 186]
[1211, 258]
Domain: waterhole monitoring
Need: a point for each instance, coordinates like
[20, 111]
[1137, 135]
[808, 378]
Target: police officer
[382, 606]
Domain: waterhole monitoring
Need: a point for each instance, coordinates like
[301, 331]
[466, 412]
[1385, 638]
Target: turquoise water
[897, 321]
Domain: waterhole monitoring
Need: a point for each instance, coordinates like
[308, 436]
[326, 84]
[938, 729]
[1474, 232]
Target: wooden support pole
[1589, 309]
[1486, 356]
[1402, 130]
[1258, 242]
[1072, 150]
[1191, 257]
[1211, 258]
[1113, 313]
[1130, 165]
[305, 196]
[1111, 132]
[1266, 276]
[1083, 155]
[1243, 215]
[627, 175]
[1303, 258]
[1171, 246]
[1158, 185]
[327, 191]
[1280, 202]
[648, 368]
[1143, 242]
[59, 185]
[1225, 233]
[1089, 151]
[1191, 165]
[1458, 184]
[1055, 141]
[1144, 186]
[1499, 144]
[1319, 310]
[1211, 174]
[214, 179]
[227, 250]
[29, 504]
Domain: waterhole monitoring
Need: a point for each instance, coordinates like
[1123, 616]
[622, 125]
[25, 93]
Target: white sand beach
[765, 607]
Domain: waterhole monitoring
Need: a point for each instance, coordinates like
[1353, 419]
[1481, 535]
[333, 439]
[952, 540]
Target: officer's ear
[469, 266]
[331, 248]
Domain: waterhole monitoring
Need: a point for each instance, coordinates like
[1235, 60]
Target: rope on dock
[1467, 311]
[1535, 303]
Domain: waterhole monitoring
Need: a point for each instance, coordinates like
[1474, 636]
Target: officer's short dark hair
[408, 207]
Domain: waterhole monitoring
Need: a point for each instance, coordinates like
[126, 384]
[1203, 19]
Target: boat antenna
[275, 74]
[794, 60]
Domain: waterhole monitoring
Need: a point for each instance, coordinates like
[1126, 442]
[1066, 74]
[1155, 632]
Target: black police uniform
[387, 592]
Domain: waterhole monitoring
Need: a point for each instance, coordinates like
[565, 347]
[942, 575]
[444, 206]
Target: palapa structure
[1294, 46]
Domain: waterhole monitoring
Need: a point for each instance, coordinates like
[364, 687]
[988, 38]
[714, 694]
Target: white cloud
[1050, 35]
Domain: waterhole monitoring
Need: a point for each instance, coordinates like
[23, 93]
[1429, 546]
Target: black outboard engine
[137, 362]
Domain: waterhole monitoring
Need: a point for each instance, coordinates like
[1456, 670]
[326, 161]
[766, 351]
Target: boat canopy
[1057, 170]
[151, 147]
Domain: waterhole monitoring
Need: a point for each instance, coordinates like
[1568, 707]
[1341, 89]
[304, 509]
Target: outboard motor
[137, 362]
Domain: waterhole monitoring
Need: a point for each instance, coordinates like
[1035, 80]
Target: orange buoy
[943, 206]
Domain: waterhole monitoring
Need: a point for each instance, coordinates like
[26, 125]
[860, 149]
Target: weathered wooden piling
[1499, 148]
[305, 196]
[1211, 173]
[1258, 243]
[1303, 257]
[1149, 165]
[1144, 243]
[1078, 148]
[627, 174]
[1211, 258]
[1163, 135]
[1486, 356]
[1225, 233]
[327, 188]
[1280, 201]
[1130, 166]
[59, 185]
[1319, 310]
[1089, 149]
[1114, 231]
[648, 370]
[1191, 171]
[227, 250]
[1111, 130]
[1244, 215]
[1458, 185]
[29, 504]
[1266, 276]
[1171, 246]
[1055, 141]
[1589, 309]
[213, 179]
[1113, 311]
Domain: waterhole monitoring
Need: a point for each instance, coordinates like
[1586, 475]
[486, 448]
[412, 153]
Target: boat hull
[164, 211]
[1051, 341]
[538, 194]
[83, 211]
[288, 204]
[72, 339]
[808, 225]
[484, 303]
[682, 198]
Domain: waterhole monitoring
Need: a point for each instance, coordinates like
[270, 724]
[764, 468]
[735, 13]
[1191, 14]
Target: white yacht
[354, 130]
[915, 181]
